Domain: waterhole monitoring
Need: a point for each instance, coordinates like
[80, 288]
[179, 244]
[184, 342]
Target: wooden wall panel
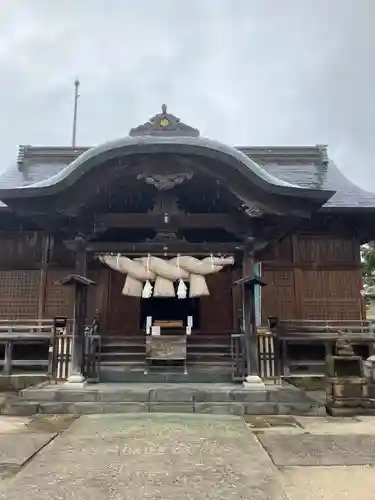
[281, 252]
[123, 314]
[278, 298]
[330, 294]
[59, 299]
[323, 280]
[19, 294]
[20, 250]
[216, 310]
[326, 251]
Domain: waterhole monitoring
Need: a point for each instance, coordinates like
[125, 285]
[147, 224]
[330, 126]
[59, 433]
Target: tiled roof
[307, 167]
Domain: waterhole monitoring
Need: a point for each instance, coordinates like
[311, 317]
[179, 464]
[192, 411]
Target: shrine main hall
[180, 243]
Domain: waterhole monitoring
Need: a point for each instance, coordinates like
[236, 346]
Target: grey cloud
[246, 72]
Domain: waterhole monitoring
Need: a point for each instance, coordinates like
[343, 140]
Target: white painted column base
[254, 383]
[75, 381]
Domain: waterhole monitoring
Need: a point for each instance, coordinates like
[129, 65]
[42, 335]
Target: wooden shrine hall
[174, 243]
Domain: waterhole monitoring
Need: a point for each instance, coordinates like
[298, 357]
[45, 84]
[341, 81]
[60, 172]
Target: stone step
[120, 357]
[121, 365]
[124, 348]
[121, 375]
[172, 398]
[212, 355]
[87, 408]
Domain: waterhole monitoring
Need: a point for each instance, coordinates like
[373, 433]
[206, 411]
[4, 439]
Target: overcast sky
[245, 72]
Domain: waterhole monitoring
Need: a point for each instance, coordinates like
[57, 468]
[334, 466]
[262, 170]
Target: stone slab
[329, 483]
[150, 457]
[18, 382]
[171, 407]
[19, 407]
[17, 449]
[13, 424]
[166, 395]
[319, 450]
[246, 396]
[131, 395]
[95, 408]
[261, 409]
[299, 409]
[220, 408]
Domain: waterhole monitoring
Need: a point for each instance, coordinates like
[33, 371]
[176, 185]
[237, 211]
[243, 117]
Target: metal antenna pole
[76, 96]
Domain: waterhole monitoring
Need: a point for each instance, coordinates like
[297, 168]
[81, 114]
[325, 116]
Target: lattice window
[19, 294]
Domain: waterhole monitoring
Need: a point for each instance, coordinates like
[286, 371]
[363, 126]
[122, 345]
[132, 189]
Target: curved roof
[149, 144]
[301, 171]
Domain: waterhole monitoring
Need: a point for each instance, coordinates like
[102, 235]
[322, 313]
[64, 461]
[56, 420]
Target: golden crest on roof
[163, 124]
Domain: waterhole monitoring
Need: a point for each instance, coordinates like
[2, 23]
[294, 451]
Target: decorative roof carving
[165, 182]
[164, 124]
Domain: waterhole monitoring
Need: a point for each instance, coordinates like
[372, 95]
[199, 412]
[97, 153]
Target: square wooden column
[247, 284]
[79, 284]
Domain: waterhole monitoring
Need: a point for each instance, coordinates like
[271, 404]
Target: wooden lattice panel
[19, 294]
[325, 251]
[278, 297]
[329, 284]
[328, 294]
[331, 310]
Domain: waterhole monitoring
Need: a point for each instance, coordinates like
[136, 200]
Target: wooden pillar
[248, 283]
[249, 316]
[81, 256]
[79, 285]
[43, 276]
[80, 301]
[80, 308]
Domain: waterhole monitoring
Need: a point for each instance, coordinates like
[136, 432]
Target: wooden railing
[305, 344]
[62, 356]
[15, 335]
[267, 351]
[238, 353]
[31, 345]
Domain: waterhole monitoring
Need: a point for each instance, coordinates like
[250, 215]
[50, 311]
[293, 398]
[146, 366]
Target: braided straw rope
[165, 273]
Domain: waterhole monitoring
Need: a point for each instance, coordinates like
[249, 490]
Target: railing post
[8, 358]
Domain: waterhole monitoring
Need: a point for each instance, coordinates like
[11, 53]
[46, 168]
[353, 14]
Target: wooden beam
[162, 247]
[196, 221]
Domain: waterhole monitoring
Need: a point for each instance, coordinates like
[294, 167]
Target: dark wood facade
[309, 276]
[164, 191]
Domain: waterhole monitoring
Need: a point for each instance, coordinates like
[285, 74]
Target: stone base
[69, 398]
[75, 381]
[254, 383]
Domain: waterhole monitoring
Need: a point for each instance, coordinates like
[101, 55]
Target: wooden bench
[319, 335]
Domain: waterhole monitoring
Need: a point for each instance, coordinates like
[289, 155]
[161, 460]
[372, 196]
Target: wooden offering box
[170, 347]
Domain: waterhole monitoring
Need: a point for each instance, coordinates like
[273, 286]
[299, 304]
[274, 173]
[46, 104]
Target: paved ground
[160, 456]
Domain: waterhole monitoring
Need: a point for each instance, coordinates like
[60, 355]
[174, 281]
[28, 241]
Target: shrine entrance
[171, 311]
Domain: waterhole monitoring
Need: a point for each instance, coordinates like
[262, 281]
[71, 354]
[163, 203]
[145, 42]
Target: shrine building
[165, 224]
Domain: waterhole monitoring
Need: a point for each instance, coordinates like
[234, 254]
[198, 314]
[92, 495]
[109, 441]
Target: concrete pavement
[165, 456]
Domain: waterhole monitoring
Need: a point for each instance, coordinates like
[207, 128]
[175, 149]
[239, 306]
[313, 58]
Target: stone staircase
[122, 359]
[216, 398]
